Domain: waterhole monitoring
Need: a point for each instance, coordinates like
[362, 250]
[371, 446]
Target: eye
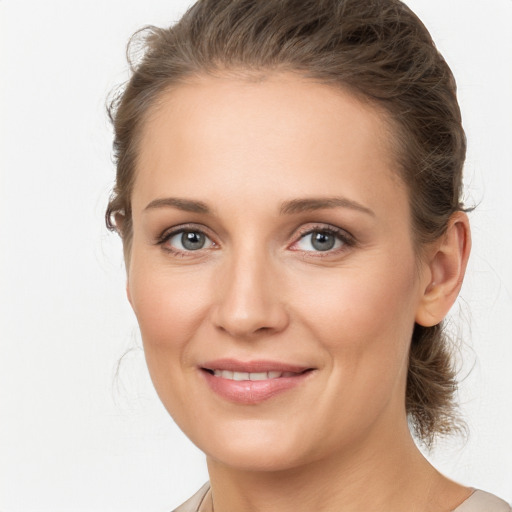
[323, 240]
[186, 240]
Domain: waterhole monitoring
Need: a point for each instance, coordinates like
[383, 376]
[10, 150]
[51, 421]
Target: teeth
[225, 374]
[258, 376]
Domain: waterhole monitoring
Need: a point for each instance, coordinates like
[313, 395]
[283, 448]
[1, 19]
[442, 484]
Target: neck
[389, 474]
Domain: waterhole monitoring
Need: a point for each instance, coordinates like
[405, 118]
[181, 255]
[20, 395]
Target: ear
[119, 219]
[446, 268]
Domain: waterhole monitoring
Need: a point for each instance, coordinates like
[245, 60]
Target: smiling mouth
[253, 376]
[258, 383]
[253, 382]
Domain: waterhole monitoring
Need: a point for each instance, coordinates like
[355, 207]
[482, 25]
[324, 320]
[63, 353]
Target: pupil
[192, 240]
[323, 241]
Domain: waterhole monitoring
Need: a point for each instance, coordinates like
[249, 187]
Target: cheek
[365, 297]
[364, 317]
[169, 306]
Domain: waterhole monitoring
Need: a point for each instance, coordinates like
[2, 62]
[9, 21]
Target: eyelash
[346, 238]
[167, 235]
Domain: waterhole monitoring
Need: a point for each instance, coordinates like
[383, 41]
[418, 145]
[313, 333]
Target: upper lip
[255, 366]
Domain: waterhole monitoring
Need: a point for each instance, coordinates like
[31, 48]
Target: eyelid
[168, 233]
[347, 238]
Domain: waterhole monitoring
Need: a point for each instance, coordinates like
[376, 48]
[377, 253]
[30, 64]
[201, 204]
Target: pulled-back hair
[377, 49]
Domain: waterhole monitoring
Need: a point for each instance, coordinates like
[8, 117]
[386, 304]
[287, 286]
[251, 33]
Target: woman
[288, 189]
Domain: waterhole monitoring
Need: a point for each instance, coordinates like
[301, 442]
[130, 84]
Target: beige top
[479, 501]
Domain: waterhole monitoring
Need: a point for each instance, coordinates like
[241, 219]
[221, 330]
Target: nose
[249, 300]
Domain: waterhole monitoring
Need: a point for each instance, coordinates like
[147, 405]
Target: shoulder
[481, 501]
[193, 503]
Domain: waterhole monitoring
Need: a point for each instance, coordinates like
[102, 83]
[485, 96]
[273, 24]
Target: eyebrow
[287, 207]
[314, 203]
[187, 205]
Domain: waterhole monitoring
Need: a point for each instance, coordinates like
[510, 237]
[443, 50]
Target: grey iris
[192, 240]
[322, 241]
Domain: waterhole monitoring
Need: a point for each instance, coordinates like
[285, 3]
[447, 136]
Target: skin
[259, 289]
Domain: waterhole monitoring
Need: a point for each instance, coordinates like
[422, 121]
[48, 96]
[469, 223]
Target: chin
[253, 449]
[255, 459]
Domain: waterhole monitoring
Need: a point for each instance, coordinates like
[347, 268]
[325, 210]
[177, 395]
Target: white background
[71, 437]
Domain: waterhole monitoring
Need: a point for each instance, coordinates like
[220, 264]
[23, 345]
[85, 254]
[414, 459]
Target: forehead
[282, 134]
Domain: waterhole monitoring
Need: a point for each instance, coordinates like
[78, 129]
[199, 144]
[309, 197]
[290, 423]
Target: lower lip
[252, 391]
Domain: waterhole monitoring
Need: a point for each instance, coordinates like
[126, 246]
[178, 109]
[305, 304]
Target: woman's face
[272, 271]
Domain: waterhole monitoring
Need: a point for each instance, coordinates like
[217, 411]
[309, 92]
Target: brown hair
[378, 49]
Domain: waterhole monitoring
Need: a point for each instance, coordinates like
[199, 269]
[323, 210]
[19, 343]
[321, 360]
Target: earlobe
[119, 219]
[447, 266]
